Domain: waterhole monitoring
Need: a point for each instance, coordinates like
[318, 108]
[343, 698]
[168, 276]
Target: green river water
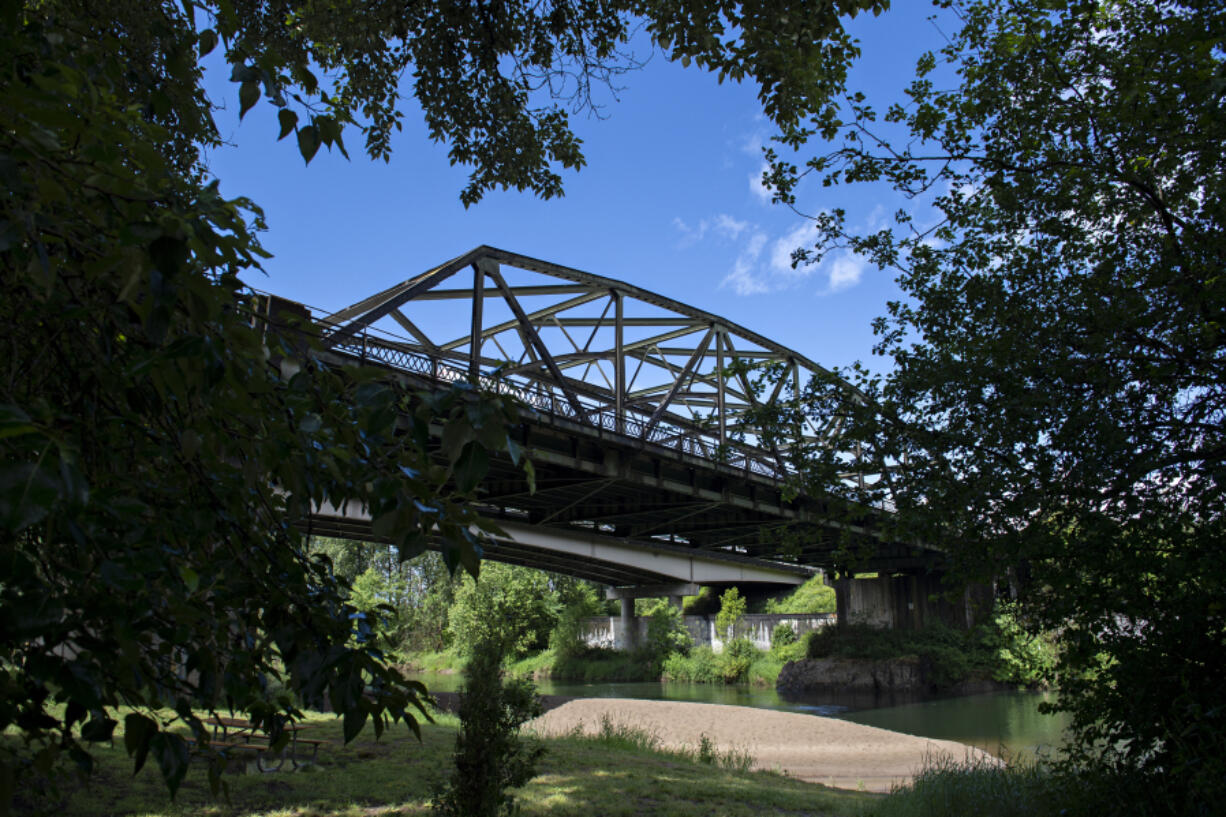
[1006, 723]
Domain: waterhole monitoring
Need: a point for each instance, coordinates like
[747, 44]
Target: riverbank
[815, 749]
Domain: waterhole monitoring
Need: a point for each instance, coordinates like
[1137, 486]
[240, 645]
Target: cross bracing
[640, 428]
[599, 351]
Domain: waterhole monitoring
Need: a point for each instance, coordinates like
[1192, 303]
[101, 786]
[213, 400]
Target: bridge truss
[641, 421]
[599, 351]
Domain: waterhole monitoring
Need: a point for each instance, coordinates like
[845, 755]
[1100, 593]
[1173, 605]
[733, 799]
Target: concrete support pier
[910, 601]
[627, 627]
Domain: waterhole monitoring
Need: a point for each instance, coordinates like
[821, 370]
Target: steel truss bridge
[637, 421]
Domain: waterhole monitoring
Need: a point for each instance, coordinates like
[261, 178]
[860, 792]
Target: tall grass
[616, 735]
[1027, 788]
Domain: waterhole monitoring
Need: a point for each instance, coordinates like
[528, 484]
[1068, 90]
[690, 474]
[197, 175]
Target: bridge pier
[910, 601]
[627, 628]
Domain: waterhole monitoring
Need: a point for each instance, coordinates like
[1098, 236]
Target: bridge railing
[688, 441]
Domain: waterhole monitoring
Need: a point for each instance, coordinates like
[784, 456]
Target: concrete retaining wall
[606, 631]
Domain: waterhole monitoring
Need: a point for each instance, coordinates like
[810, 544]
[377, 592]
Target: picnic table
[241, 735]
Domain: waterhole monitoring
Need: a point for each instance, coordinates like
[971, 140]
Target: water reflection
[999, 722]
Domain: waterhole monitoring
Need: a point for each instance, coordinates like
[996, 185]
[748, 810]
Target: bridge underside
[596, 557]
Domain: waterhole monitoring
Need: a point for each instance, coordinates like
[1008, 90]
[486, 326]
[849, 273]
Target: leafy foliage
[161, 447]
[782, 635]
[328, 67]
[510, 607]
[814, 596]
[1055, 411]
[732, 609]
[1000, 649]
[666, 635]
[490, 755]
[163, 443]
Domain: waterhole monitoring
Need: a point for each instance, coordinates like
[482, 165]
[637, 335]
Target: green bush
[764, 669]
[782, 635]
[731, 609]
[704, 604]
[511, 606]
[1000, 650]
[666, 635]
[490, 756]
[1020, 657]
[701, 666]
[814, 596]
[735, 660]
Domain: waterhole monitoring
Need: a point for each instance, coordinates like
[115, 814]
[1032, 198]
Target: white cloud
[723, 225]
[689, 235]
[844, 271]
[764, 264]
[729, 227]
[801, 235]
[761, 192]
[746, 277]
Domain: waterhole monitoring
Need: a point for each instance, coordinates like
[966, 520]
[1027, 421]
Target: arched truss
[598, 351]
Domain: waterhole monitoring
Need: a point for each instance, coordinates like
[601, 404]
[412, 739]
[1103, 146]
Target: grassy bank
[617, 773]
[998, 650]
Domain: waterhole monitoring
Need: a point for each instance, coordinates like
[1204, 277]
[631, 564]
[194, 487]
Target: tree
[732, 607]
[157, 459]
[163, 440]
[1055, 408]
[490, 755]
[512, 608]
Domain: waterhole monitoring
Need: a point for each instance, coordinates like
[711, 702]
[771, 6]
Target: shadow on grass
[394, 776]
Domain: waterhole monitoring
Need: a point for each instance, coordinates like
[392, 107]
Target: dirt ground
[808, 747]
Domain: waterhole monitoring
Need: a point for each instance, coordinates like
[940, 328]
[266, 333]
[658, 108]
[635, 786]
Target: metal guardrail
[747, 458]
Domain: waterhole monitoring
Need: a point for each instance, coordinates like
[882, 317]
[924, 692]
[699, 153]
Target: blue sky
[669, 202]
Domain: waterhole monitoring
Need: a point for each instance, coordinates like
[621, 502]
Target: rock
[907, 675]
[852, 674]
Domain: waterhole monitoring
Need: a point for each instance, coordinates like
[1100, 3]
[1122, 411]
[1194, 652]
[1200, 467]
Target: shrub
[700, 666]
[1001, 650]
[814, 596]
[1019, 656]
[511, 606]
[490, 756]
[704, 604]
[731, 608]
[782, 635]
[666, 634]
[734, 662]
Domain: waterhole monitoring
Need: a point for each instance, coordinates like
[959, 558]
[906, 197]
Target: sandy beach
[808, 747]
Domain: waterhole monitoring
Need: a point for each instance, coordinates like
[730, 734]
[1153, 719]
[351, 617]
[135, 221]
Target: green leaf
[190, 578]
[207, 41]
[170, 751]
[530, 473]
[514, 449]
[353, 722]
[288, 120]
[15, 422]
[138, 732]
[471, 467]
[308, 142]
[456, 435]
[98, 729]
[248, 95]
[387, 524]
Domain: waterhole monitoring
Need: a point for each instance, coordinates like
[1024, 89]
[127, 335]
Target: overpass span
[638, 416]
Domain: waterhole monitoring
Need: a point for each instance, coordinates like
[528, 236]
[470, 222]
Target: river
[1007, 723]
